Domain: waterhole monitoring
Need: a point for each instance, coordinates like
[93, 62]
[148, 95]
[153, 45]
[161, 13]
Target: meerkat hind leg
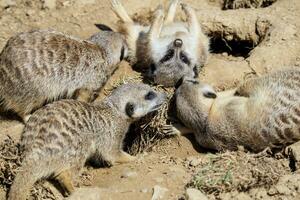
[156, 26]
[171, 11]
[192, 20]
[65, 180]
[120, 11]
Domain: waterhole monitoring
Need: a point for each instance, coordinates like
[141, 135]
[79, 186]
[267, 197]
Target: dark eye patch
[150, 95]
[122, 53]
[193, 81]
[184, 58]
[152, 68]
[129, 109]
[196, 71]
[168, 56]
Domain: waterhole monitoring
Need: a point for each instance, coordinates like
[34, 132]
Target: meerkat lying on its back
[261, 113]
[41, 66]
[167, 49]
[59, 138]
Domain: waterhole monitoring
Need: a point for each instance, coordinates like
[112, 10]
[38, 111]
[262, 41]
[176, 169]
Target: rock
[159, 179]
[127, 173]
[158, 192]
[145, 190]
[85, 2]
[194, 161]
[86, 194]
[194, 194]
[293, 151]
[49, 4]
[7, 3]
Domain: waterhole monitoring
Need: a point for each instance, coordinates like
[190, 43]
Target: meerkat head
[193, 101]
[136, 100]
[113, 44]
[173, 61]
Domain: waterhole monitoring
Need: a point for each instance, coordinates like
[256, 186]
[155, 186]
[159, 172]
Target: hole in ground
[237, 48]
[236, 4]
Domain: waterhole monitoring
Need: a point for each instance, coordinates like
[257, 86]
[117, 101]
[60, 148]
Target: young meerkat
[59, 138]
[261, 113]
[167, 49]
[44, 65]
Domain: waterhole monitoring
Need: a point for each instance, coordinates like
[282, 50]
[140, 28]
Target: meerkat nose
[178, 43]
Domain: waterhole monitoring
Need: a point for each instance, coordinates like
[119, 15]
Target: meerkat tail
[23, 182]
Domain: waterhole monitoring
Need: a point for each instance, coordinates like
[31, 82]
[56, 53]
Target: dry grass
[146, 133]
[229, 171]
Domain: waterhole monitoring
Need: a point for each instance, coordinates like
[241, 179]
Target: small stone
[7, 3]
[158, 192]
[193, 161]
[127, 173]
[49, 4]
[145, 190]
[159, 179]
[194, 194]
[85, 2]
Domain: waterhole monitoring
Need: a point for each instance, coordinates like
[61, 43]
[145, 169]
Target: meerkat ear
[209, 92]
[103, 27]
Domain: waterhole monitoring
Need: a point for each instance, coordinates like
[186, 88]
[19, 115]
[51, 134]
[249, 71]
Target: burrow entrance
[236, 4]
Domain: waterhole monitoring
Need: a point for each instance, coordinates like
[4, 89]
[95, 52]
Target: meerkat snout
[178, 43]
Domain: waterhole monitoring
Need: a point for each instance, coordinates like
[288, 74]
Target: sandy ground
[244, 42]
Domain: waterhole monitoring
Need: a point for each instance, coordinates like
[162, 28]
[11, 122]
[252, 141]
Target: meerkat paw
[124, 157]
[175, 129]
[64, 178]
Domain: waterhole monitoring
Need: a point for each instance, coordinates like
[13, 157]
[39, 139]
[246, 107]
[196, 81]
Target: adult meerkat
[44, 65]
[59, 138]
[261, 113]
[167, 49]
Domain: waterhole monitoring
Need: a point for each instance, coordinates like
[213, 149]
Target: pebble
[49, 4]
[127, 173]
[7, 3]
[194, 194]
[158, 192]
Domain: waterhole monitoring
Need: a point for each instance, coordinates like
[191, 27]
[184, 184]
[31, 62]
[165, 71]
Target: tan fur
[59, 138]
[149, 45]
[261, 113]
[42, 66]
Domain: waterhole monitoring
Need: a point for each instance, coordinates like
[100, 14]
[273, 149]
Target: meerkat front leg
[171, 11]
[157, 24]
[64, 178]
[84, 95]
[176, 129]
[192, 20]
[123, 157]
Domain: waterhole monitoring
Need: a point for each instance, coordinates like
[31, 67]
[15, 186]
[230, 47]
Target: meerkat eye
[184, 58]
[194, 82]
[122, 53]
[168, 56]
[210, 95]
[150, 95]
[129, 109]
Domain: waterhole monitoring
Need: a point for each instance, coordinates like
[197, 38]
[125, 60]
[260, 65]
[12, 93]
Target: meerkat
[166, 49]
[59, 138]
[41, 66]
[261, 113]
